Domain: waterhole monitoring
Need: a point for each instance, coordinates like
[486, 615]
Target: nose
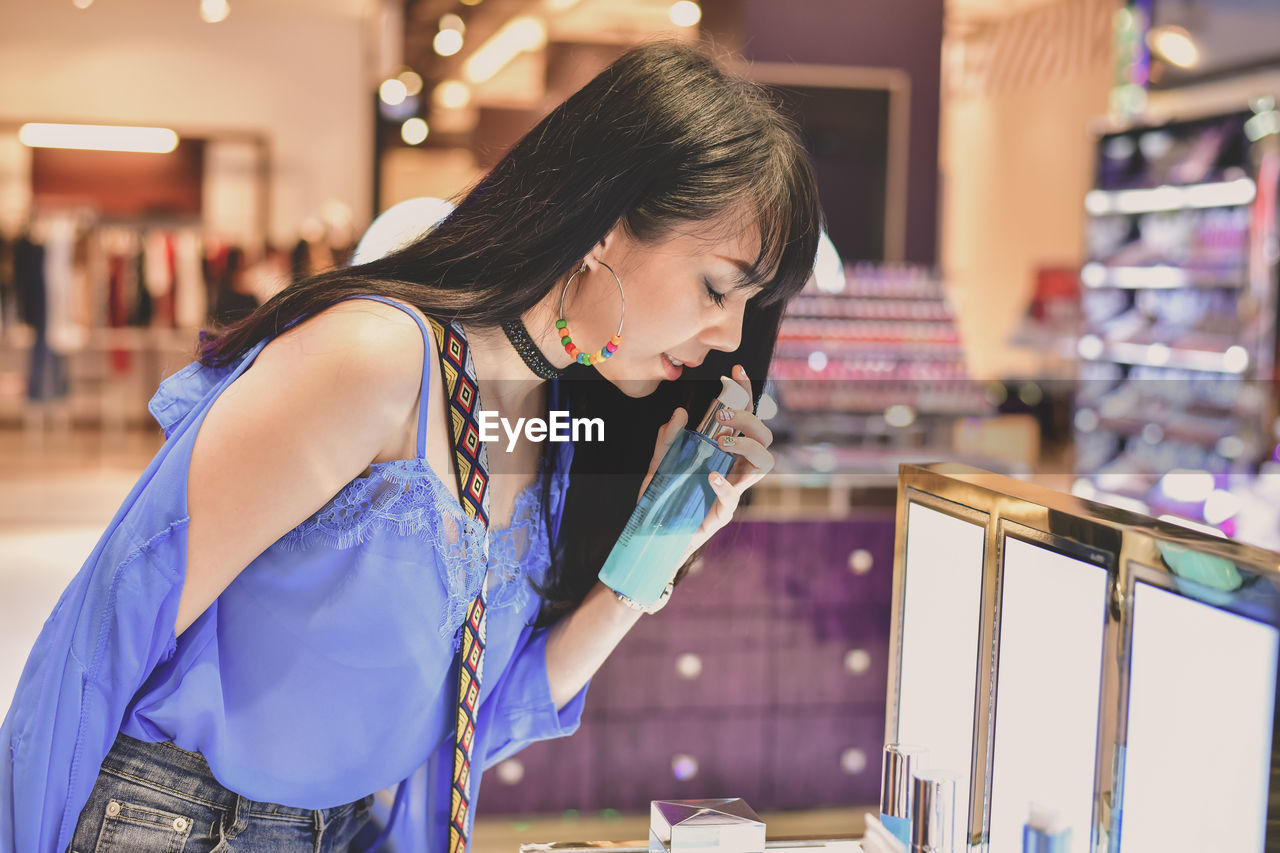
[724, 331]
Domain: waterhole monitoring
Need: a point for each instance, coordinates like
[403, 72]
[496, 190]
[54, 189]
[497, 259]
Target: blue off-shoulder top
[324, 672]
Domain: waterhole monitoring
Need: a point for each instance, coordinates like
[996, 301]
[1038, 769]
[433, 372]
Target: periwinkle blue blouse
[324, 672]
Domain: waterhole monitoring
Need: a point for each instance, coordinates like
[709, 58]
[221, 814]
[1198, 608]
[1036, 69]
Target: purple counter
[764, 678]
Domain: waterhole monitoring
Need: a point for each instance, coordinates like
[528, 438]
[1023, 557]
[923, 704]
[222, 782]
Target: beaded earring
[562, 325]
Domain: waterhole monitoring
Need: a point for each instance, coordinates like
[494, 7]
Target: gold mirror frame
[1128, 543]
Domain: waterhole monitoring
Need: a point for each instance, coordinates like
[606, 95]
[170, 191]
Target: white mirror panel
[941, 617]
[1201, 705]
[1048, 681]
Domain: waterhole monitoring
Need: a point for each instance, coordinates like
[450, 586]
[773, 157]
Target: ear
[606, 248]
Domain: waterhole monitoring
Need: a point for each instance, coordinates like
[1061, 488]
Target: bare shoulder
[359, 345]
[344, 381]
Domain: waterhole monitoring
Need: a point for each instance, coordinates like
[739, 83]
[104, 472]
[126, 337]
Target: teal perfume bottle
[673, 507]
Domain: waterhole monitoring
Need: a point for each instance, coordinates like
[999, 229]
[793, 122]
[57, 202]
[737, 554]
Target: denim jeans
[157, 797]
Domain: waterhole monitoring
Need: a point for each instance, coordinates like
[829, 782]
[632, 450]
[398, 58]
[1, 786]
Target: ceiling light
[412, 81]
[82, 4]
[214, 11]
[1174, 45]
[452, 95]
[447, 42]
[414, 131]
[392, 92]
[452, 22]
[521, 34]
[94, 137]
[685, 13]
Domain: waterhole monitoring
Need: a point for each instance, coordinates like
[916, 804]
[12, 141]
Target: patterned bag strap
[471, 460]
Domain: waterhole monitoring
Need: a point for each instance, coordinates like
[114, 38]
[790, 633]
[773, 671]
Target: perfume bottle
[674, 505]
[933, 812]
[1045, 832]
[896, 791]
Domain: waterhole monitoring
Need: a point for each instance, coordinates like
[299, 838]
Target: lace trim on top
[405, 497]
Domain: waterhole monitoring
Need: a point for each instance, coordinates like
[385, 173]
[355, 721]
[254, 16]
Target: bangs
[789, 219]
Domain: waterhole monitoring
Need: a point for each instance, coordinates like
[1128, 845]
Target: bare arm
[581, 642]
[316, 407]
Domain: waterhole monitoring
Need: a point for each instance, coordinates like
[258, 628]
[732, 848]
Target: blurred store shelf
[1179, 298]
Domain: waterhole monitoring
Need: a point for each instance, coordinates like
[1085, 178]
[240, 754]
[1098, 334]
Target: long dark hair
[663, 137]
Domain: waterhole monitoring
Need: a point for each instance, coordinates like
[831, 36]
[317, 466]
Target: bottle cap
[895, 782]
[732, 396]
[1046, 830]
[933, 813]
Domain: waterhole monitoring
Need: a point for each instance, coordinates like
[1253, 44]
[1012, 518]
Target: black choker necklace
[533, 357]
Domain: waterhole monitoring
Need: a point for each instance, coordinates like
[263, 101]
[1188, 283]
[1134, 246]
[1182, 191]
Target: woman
[267, 632]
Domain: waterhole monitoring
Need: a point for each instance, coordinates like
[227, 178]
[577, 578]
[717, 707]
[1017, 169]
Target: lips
[671, 368]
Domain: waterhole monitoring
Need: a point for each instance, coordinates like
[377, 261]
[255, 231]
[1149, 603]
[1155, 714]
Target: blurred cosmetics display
[869, 365]
[1179, 298]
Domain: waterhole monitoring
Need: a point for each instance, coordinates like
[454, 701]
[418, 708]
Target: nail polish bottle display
[673, 506]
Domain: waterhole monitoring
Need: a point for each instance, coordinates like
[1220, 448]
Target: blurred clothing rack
[96, 310]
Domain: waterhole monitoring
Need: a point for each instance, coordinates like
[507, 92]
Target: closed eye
[716, 296]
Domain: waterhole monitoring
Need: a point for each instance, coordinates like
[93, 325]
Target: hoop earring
[563, 325]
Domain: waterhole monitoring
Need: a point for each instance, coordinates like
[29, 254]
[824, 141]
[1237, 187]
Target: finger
[727, 497]
[746, 423]
[756, 455]
[744, 475]
[739, 374]
[721, 512]
[666, 437]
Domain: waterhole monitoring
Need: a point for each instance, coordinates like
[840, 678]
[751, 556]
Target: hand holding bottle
[750, 446]
[693, 486]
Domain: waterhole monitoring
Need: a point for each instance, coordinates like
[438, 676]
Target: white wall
[295, 71]
[1021, 93]
[1016, 166]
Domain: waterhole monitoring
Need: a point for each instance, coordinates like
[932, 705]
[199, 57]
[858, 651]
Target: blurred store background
[1053, 253]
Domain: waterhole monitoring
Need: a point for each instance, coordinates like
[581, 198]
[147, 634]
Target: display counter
[1069, 658]
[1052, 653]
